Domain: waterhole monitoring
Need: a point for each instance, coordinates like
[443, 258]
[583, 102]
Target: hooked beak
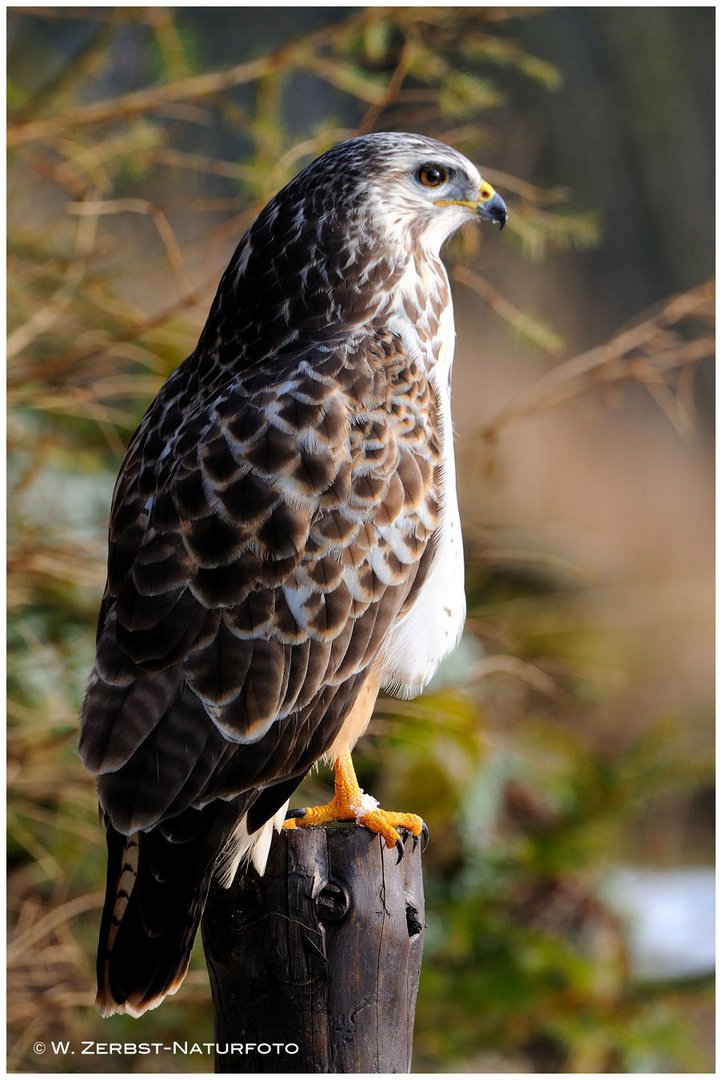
[489, 206]
[493, 209]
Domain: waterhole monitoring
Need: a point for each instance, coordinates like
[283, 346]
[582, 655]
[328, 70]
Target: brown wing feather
[263, 540]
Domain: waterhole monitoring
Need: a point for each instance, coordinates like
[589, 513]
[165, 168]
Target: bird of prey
[284, 542]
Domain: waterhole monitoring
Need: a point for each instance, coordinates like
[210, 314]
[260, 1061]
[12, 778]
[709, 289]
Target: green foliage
[541, 232]
[494, 50]
[463, 94]
[524, 962]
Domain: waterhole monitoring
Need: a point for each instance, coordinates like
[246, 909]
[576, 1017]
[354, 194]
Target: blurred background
[563, 757]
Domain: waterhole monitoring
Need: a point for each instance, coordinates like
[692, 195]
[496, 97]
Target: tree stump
[314, 967]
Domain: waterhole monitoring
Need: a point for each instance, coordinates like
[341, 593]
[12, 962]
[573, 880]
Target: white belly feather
[432, 627]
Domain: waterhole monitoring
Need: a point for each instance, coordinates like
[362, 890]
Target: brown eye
[432, 175]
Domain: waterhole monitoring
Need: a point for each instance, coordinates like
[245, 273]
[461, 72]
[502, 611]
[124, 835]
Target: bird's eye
[432, 175]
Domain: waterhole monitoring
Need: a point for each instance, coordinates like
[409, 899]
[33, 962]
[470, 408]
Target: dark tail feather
[156, 890]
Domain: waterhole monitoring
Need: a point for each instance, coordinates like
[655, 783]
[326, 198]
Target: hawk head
[328, 251]
[407, 188]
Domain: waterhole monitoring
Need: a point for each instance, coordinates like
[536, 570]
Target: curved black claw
[400, 849]
[425, 834]
[298, 812]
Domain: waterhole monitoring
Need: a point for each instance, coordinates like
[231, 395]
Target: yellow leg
[350, 803]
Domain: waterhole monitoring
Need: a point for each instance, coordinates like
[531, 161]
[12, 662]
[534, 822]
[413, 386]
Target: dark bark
[322, 953]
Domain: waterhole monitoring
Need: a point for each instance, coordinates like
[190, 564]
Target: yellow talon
[386, 823]
[350, 803]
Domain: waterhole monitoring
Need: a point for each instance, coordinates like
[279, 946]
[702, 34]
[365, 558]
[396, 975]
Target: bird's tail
[157, 887]
[153, 905]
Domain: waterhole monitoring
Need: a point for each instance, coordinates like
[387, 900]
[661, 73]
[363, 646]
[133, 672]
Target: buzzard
[284, 542]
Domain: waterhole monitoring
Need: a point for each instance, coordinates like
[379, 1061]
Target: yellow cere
[486, 192]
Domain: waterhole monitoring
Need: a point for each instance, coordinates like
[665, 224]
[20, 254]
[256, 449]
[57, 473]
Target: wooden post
[321, 955]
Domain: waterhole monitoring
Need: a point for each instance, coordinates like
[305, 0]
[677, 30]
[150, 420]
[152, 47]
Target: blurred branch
[393, 88]
[140, 101]
[42, 319]
[533, 329]
[529, 192]
[301, 54]
[172, 248]
[72, 74]
[135, 327]
[181, 159]
[512, 666]
[344, 77]
[541, 230]
[649, 353]
[310, 148]
[162, 20]
[49, 923]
